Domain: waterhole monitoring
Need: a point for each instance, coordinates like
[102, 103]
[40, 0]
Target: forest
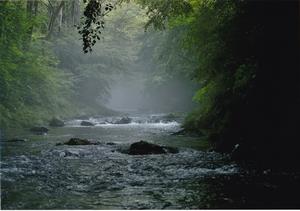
[212, 85]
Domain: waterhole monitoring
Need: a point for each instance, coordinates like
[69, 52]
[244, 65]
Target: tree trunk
[35, 6]
[60, 17]
[31, 9]
[54, 15]
[76, 12]
[76, 16]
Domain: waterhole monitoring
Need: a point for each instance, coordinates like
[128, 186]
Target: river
[37, 174]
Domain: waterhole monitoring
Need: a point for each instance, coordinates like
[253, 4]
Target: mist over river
[149, 104]
[37, 174]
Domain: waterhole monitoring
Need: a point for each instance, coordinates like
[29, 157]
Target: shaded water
[37, 174]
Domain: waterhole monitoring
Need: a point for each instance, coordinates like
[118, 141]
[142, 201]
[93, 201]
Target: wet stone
[78, 141]
[17, 140]
[124, 120]
[145, 148]
[87, 123]
[39, 130]
[55, 122]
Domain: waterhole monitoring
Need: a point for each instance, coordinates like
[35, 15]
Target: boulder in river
[145, 148]
[87, 123]
[78, 141]
[55, 122]
[39, 130]
[124, 120]
[17, 140]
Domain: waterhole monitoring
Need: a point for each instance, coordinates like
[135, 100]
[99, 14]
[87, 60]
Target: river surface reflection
[37, 174]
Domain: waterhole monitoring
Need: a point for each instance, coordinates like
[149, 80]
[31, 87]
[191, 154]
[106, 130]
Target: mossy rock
[55, 122]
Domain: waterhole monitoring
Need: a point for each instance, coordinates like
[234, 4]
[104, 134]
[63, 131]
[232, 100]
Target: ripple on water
[102, 177]
[118, 180]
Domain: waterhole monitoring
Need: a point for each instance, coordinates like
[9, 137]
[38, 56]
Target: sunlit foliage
[31, 86]
[43, 76]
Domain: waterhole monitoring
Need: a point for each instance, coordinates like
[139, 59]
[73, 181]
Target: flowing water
[37, 174]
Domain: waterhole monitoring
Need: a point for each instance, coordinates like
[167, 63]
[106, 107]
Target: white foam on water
[146, 124]
[134, 123]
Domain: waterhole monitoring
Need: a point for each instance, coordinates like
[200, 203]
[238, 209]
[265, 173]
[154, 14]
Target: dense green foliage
[29, 78]
[45, 75]
[248, 68]
[245, 57]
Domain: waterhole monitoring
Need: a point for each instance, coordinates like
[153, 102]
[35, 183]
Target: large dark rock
[145, 148]
[78, 141]
[87, 123]
[124, 120]
[39, 130]
[55, 122]
[16, 140]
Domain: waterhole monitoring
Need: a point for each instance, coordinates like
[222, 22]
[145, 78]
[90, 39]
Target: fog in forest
[133, 69]
[149, 104]
[123, 64]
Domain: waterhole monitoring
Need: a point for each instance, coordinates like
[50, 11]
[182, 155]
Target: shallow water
[37, 174]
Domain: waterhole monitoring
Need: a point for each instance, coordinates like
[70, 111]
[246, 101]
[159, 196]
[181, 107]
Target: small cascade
[155, 120]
